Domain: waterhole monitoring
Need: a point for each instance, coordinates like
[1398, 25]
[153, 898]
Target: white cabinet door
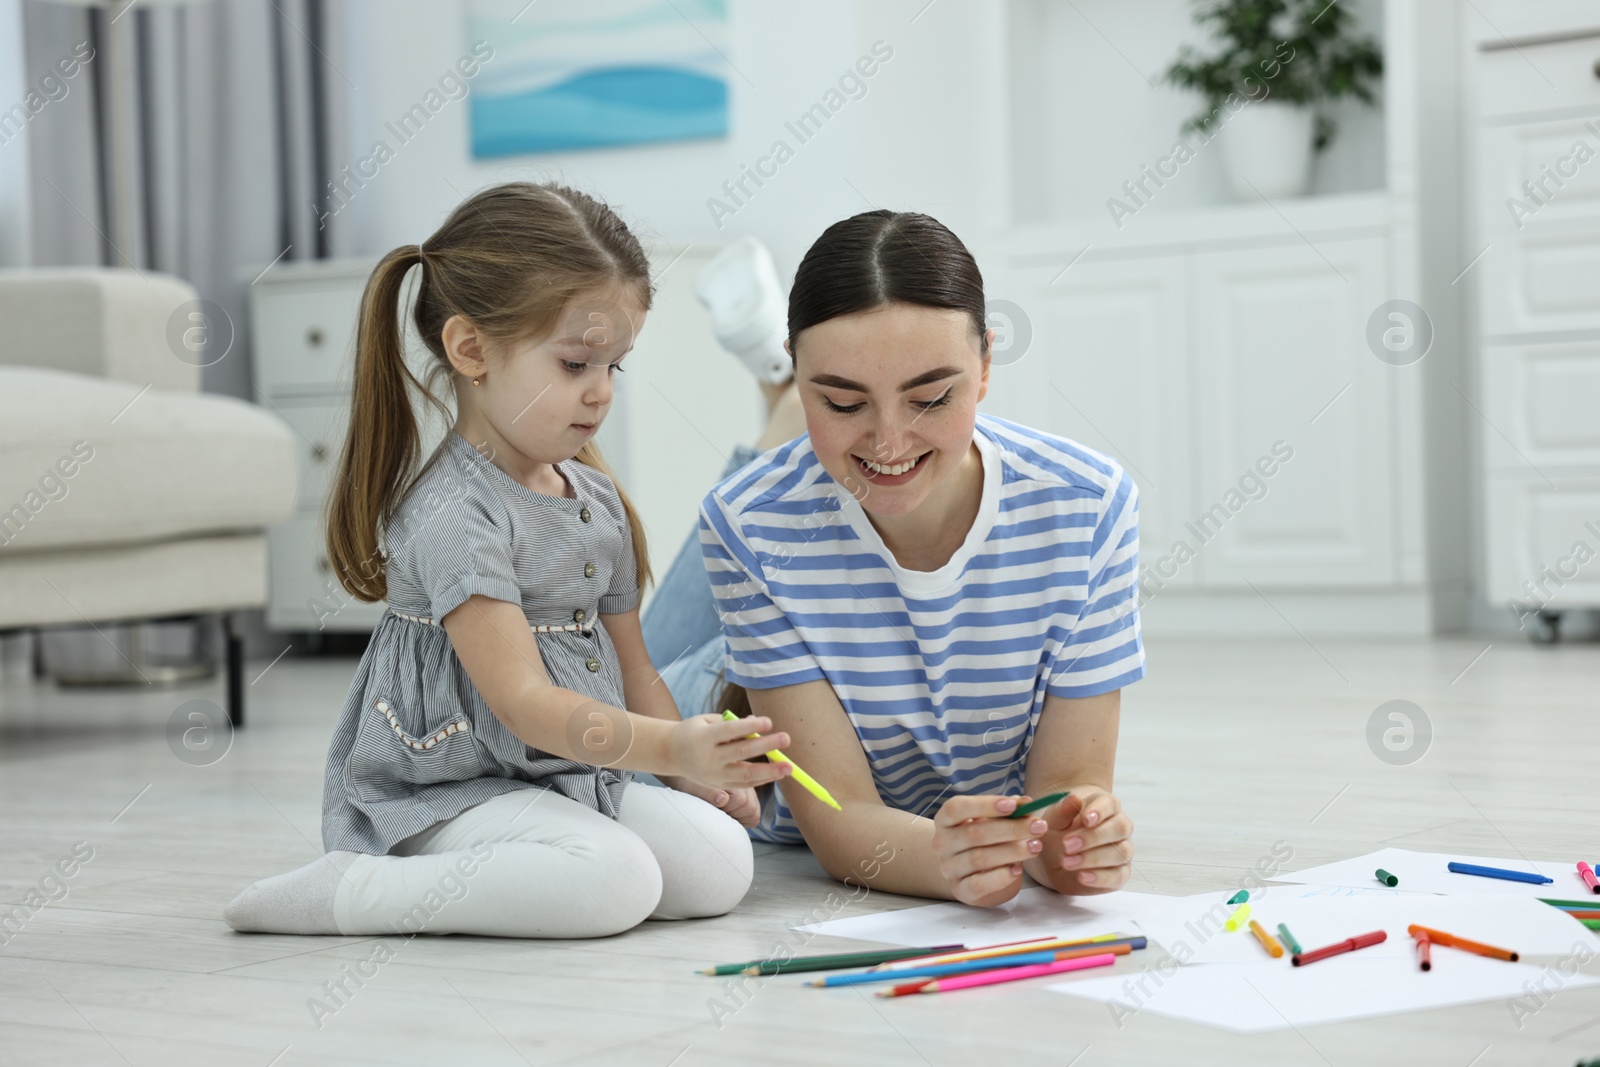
[1280, 362]
[1542, 541]
[1542, 403]
[1539, 216]
[1105, 366]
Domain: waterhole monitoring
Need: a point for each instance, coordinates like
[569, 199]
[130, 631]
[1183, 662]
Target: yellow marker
[1236, 920]
[795, 772]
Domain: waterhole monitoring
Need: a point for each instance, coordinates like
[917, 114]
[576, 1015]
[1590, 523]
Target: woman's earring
[477, 381]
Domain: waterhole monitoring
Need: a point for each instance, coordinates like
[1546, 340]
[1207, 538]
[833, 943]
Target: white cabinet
[1537, 213]
[1107, 366]
[1225, 365]
[1280, 355]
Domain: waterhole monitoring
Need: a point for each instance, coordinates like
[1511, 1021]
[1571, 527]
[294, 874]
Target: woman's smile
[890, 474]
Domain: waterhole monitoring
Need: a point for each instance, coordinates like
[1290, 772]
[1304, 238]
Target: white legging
[532, 863]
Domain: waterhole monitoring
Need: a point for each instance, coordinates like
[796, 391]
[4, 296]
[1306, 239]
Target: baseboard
[1273, 613]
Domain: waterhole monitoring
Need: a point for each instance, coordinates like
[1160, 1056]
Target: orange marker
[1268, 942]
[1439, 937]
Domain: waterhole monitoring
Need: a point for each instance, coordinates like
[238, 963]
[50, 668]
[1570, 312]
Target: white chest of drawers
[1537, 216]
[303, 326]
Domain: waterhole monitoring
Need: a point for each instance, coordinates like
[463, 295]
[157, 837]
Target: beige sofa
[125, 493]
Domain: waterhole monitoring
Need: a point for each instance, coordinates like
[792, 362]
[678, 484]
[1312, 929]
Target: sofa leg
[235, 654]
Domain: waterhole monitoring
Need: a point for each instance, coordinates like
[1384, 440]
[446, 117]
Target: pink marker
[1009, 974]
[1586, 872]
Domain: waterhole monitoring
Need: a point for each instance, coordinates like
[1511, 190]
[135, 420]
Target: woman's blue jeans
[682, 631]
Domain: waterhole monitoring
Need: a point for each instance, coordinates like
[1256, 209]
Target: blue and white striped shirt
[942, 673]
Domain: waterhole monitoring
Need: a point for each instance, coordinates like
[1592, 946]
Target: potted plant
[1279, 59]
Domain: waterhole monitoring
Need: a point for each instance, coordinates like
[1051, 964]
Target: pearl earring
[477, 381]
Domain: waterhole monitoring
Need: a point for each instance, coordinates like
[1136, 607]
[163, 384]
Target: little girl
[479, 777]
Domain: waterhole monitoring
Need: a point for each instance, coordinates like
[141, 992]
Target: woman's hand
[1089, 846]
[741, 805]
[980, 851]
[715, 752]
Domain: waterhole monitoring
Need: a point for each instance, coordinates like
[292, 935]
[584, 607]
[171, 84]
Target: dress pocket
[457, 725]
[388, 761]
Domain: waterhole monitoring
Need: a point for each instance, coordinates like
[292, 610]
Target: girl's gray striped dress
[415, 743]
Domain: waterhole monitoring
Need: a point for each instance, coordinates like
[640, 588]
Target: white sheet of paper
[1034, 912]
[1426, 872]
[1191, 928]
[1253, 998]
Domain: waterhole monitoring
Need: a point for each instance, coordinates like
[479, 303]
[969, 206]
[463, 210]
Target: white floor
[1227, 748]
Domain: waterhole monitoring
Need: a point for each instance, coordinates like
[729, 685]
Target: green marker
[1034, 805]
[1288, 940]
[1386, 878]
[1240, 897]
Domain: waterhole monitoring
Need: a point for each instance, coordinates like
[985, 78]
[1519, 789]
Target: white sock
[299, 902]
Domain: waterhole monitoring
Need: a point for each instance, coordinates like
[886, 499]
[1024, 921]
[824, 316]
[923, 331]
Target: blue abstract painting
[569, 74]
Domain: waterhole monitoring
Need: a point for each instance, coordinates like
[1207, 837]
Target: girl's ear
[463, 344]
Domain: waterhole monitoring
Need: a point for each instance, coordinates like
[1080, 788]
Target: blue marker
[1498, 872]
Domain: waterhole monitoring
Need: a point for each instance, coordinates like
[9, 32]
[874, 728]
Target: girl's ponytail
[382, 440]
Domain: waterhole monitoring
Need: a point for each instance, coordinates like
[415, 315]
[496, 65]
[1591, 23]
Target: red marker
[1586, 872]
[1425, 952]
[1349, 944]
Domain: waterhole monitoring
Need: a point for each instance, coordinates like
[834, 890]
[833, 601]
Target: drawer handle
[319, 452]
[314, 337]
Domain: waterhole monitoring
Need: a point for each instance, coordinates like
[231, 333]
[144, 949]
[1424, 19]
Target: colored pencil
[1439, 937]
[810, 784]
[998, 951]
[833, 959]
[1274, 949]
[1349, 944]
[1288, 940]
[1568, 905]
[1236, 920]
[1034, 805]
[1498, 872]
[1240, 897]
[1008, 974]
[939, 970]
[1586, 872]
[1424, 952]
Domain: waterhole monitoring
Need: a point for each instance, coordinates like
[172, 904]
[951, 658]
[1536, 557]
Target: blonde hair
[508, 260]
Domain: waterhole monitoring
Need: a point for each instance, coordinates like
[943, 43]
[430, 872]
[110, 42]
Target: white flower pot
[1267, 147]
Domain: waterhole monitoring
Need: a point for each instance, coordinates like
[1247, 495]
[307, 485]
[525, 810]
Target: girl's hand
[1089, 847]
[715, 752]
[741, 805]
[980, 851]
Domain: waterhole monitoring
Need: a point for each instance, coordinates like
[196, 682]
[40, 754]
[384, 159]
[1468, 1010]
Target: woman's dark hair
[882, 257]
[864, 262]
[508, 259]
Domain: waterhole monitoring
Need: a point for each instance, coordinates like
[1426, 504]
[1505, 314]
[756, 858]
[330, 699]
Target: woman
[939, 608]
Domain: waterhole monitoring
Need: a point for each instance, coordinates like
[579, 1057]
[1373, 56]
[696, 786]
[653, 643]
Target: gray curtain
[227, 104]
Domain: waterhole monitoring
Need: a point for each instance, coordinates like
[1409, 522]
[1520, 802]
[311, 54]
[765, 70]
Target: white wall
[919, 138]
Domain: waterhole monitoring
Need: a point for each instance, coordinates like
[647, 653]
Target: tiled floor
[1227, 748]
